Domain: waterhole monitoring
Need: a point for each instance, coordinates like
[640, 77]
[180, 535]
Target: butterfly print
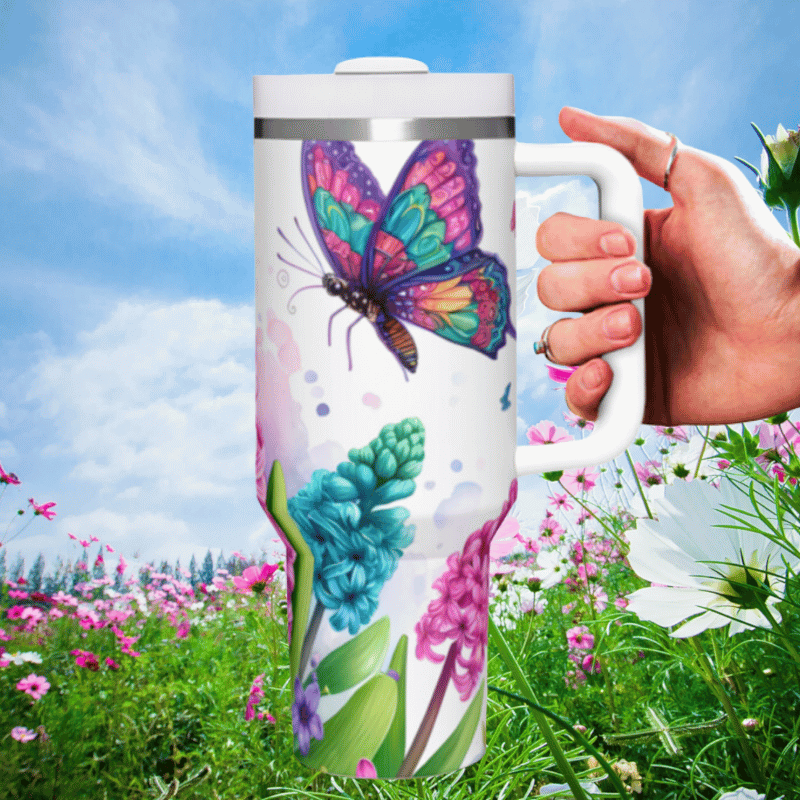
[411, 256]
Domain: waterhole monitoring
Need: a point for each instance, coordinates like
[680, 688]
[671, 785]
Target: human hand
[722, 307]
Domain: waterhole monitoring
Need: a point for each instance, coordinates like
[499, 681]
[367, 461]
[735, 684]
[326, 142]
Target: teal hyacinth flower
[357, 545]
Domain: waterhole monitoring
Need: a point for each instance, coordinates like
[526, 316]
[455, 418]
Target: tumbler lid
[383, 88]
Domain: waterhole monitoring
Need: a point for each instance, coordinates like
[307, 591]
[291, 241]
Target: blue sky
[126, 242]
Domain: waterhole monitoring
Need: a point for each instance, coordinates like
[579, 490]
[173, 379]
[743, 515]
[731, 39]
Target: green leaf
[356, 730]
[450, 755]
[391, 753]
[355, 661]
[303, 565]
[553, 476]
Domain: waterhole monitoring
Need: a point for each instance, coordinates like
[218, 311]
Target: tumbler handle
[622, 409]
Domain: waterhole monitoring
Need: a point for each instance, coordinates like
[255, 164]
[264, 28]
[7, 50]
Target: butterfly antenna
[289, 307]
[308, 244]
[304, 257]
[302, 269]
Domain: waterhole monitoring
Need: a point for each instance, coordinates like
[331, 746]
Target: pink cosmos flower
[9, 477]
[17, 594]
[22, 734]
[43, 510]
[574, 421]
[590, 665]
[86, 659]
[551, 531]
[547, 433]
[560, 501]
[34, 685]
[648, 472]
[580, 480]
[580, 638]
[111, 664]
[182, 631]
[255, 579]
[256, 696]
[675, 434]
[596, 597]
[560, 374]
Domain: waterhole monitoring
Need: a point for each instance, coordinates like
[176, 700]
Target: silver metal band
[385, 130]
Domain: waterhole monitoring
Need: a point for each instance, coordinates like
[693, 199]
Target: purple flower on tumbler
[306, 723]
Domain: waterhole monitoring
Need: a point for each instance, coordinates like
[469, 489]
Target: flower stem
[638, 484]
[791, 212]
[779, 629]
[311, 635]
[712, 680]
[702, 451]
[556, 751]
[429, 719]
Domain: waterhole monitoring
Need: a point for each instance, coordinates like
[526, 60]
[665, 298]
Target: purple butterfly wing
[343, 200]
[422, 262]
[431, 215]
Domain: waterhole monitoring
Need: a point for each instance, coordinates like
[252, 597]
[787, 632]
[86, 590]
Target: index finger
[648, 149]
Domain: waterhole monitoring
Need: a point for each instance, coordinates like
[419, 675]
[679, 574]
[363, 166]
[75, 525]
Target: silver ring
[671, 161]
[543, 345]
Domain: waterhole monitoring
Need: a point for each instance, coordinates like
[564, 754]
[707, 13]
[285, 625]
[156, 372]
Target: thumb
[648, 149]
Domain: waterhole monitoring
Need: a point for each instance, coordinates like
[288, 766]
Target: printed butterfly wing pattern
[414, 254]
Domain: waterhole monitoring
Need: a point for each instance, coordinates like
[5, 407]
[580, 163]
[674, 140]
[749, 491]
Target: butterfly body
[411, 255]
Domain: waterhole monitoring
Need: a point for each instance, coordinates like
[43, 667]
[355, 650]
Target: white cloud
[119, 118]
[158, 397]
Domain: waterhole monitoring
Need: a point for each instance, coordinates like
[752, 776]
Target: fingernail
[617, 324]
[592, 377]
[615, 244]
[629, 279]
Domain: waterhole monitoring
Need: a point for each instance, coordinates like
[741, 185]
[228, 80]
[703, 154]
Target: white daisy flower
[704, 570]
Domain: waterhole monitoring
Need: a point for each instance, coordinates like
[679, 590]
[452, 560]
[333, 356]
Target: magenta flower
[580, 480]
[34, 685]
[590, 664]
[366, 769]
[255, 579]
[547, 433]
[460, 616]
[111, 664]
[23, 734]
[43, 510]
[580, 638]
[560, 501]
[86, 659]
[551, 531]
[560, 374]
[459, 613]
[574, 421]
[256, 696]
[676, 434]
[9, 477]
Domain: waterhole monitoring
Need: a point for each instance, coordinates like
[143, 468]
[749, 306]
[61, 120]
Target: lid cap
[373, 65]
